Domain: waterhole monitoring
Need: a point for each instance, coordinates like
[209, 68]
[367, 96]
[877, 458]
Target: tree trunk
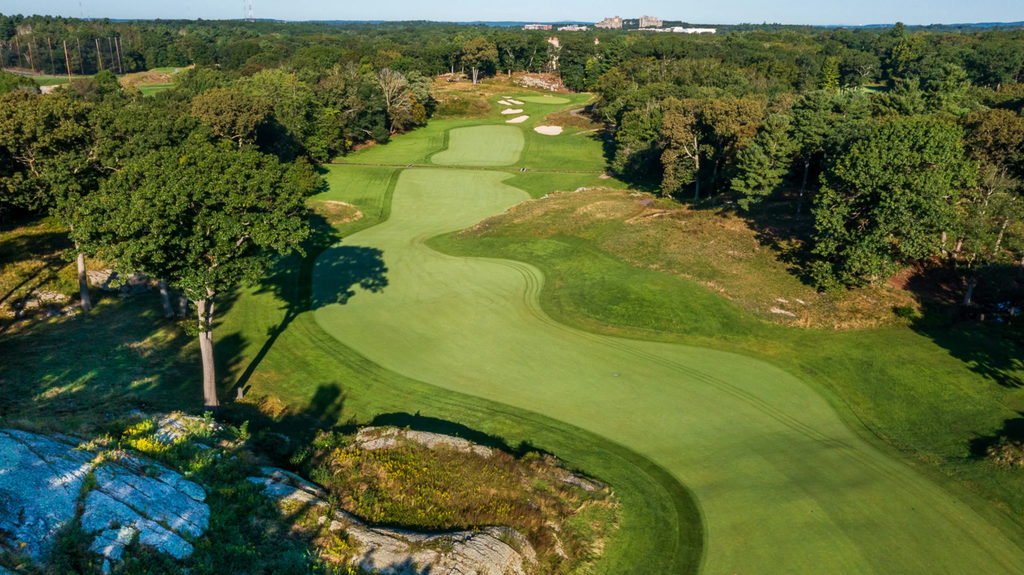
[475, 69]
[205, 310]
[83, 283]
[999, 239]
[803, 186]
[945, 252]
[183, 304]
[970, 289]
[956, 250]
[696, 187]
[168, 309]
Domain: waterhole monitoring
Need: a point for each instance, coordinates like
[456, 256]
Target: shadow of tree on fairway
[419, 422]
[347, 266]
[1012, 431]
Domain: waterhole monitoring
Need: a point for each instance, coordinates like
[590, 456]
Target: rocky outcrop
[42, 480]
[488, 551]
[130, 285]
[373, 438]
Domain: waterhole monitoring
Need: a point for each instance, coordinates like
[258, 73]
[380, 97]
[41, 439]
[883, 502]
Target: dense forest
[892, 147]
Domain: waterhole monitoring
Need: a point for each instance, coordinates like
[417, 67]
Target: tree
[885, 202]
[203, 217]
[764, 163]
[830, 74]
[52, 161]
[681, 137]
[727, 123]
[995, 139]
[398, 99]
[231, 114]
[477, 53]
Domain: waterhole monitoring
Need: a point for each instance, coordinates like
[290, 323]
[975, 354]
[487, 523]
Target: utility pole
[99, 54]
[110, 52]
[67, 60]
[53, 69]
[18, 44]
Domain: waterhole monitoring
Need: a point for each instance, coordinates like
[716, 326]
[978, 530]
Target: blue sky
[852, 12]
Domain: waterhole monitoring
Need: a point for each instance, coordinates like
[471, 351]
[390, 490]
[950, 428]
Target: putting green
[545, 100]
[784, 486]
[482, 146]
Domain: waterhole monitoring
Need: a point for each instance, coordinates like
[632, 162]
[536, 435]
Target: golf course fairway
[784, 486]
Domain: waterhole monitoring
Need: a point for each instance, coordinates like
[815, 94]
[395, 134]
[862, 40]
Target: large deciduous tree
[477, 53]
[205, 218]
[682, 141]
[887, 199]
[51, 160]
[231, 114]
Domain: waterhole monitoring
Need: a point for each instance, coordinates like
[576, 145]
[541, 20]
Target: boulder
[374, 438]
[487, 551]
[41, 480]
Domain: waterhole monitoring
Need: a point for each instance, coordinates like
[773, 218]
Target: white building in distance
[573, 28]
[681, 30]
[537, 27]
[610, 23]
[650, 22]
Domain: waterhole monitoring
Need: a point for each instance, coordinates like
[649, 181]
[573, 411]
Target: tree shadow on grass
[419, 422]
[987, 336]
[1012, 431]
[347, 267]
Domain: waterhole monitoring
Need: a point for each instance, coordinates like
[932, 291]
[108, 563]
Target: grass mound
[714, 247]
[443, 489]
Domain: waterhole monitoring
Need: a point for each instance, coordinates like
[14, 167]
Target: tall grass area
[935, 395]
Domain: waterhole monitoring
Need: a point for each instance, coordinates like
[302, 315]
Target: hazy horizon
[727, 12]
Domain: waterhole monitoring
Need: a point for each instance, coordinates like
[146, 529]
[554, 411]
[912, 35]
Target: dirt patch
[335, 213]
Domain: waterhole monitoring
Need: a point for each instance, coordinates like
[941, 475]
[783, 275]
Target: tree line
[898, 148]
[200, 187]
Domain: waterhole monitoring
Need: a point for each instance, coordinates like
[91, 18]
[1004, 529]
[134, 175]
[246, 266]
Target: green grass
[543, 100]
[481, 146]
[783, 483]
[150, 89]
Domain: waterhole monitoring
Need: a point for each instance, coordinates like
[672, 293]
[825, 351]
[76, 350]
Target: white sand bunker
[512, 111]
[516, 102]
[548, 130]
[504, 103]
[517, 120]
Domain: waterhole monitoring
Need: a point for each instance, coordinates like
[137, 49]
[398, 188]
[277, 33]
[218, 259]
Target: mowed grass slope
[783, 484]
[284, 355]
[940, 396]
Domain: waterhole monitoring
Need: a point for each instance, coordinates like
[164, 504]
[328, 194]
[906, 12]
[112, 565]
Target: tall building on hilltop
[610, 23]
[650, 22]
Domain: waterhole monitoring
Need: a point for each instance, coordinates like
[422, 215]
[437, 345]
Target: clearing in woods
[782, 483]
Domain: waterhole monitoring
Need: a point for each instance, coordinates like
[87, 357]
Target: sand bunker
[517, 120]
[516, 102]
[512, 111]
[548, 130]
[504, 103]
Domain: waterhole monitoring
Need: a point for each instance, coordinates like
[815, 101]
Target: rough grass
[411, 486]
[714, 247]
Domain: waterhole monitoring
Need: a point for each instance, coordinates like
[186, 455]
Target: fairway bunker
[512, 111]
[548, 130]
[517, 120]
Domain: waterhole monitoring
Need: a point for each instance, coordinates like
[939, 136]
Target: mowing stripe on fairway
[784, 485]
